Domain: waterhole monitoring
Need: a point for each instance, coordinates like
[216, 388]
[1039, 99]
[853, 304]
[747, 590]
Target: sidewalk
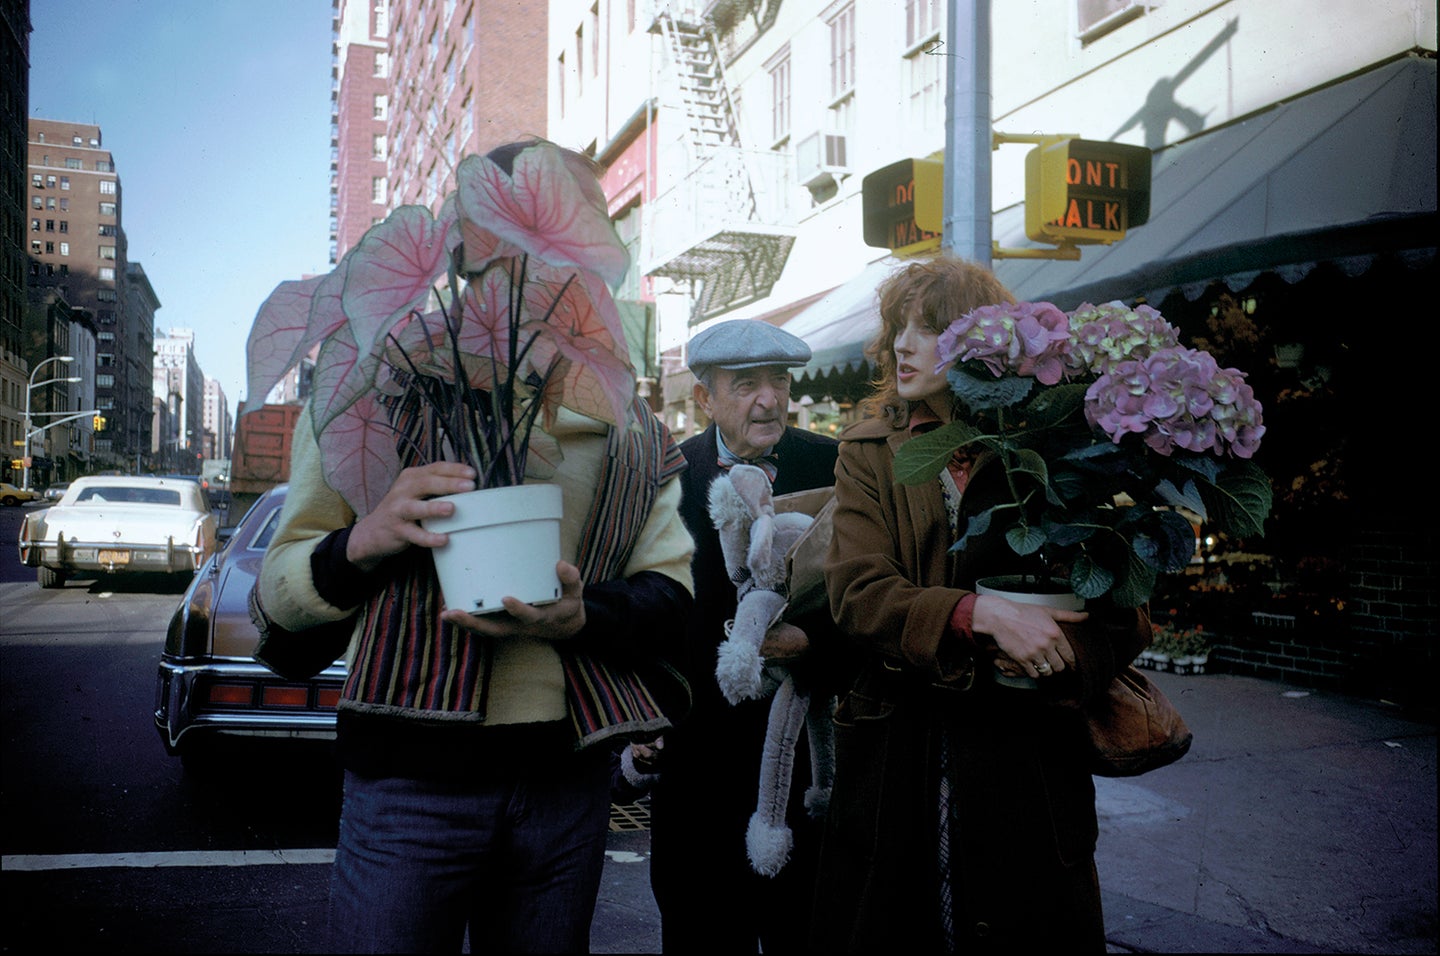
[1300, 822]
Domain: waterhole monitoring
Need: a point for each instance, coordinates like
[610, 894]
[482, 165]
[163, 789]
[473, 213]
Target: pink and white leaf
[359, 456]
[549, 205]
[392, 272]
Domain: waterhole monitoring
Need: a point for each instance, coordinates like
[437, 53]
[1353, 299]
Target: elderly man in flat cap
[710, 900]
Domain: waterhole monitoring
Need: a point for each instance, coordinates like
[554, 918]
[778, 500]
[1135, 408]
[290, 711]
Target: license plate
[114, 557]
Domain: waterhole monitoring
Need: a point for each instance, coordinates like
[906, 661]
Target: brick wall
[1384, 645]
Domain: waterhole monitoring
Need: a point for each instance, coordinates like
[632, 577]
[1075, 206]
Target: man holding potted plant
[476, 745]
[710, 764]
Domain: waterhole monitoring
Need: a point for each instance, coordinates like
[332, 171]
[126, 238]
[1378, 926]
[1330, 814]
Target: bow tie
[770, 464]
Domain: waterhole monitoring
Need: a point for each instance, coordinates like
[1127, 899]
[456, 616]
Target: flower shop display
[1109, 431]
[452, 337]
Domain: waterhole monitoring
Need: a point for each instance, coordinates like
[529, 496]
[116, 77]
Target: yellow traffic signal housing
[903, 205]
[99, 423]
[1080, 191]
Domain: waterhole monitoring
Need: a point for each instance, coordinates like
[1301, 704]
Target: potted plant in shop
[452, 337]
[1106, 428]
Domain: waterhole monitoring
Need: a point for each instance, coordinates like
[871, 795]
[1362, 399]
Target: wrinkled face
[749, 406]
[916, 379]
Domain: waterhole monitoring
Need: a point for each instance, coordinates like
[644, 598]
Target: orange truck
[260, 459]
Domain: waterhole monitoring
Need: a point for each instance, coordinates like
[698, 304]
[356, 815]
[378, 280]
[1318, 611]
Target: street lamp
[25, 481]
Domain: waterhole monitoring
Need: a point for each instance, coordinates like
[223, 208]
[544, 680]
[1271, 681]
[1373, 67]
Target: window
[105, 338]
[842, 52]
[1097, 17]
[107, 252]
[106, 295]
[107, 209]
[105, 230]
[595, 40]
[922, 21]
[34, 225]
[64, 248]
[71, 163]
[107, 187]
[35, 246]
[49, 225]
[377, 146]
[105, 359]
[49, 247]
[104, 380]
[377, 190]
[380, 106]
[382, 64]
[65, 225]
[580, 60]
[49, 182]
[64, 182]
[780, 97]
[37, 181]
[64, 205]
[107, 273]
[925, 71]
[104, 166]
[560, 82]
[382, 18]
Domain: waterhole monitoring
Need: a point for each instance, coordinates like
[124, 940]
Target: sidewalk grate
[630, 816]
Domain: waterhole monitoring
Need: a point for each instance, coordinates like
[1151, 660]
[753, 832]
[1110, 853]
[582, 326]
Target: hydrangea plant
[485, 319]
[1108, 429]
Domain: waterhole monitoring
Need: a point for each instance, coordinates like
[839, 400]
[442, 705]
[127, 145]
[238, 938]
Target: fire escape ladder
[731, 257]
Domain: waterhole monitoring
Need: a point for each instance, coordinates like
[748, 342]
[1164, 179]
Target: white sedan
[115, 524]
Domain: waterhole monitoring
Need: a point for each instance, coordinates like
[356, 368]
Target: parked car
[13, 495]
[56, 491]
[209, 685]
[116, 524]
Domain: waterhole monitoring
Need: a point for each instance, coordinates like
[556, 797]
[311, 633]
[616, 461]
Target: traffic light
[99, 422]
[903, 205]
[1085, 191]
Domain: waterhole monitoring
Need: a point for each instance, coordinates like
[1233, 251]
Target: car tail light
[284, 696]
[327, 698]
[233, 694]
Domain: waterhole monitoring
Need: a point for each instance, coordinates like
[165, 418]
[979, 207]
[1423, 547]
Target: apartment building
[14, 104]
[77, 247]
[217, 422]
[179, 387]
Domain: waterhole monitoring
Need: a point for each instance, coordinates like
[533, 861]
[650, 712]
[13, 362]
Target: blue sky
[217, 114]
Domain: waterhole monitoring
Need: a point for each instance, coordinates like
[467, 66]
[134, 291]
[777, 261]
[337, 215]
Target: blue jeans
[516, 858]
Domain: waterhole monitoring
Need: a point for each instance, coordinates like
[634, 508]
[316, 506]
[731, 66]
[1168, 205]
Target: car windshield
[103, 494]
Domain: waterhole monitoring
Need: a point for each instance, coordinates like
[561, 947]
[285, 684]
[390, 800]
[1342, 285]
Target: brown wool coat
[1027, 829]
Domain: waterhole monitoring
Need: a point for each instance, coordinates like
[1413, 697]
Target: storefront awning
[1344, 174]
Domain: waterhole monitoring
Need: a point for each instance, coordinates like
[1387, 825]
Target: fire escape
[719, 227]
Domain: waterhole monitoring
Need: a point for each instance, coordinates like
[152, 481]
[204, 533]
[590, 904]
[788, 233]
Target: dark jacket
[709, 898]
[1027, 829]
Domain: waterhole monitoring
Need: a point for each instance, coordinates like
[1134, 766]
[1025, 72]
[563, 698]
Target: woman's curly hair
[943, 289]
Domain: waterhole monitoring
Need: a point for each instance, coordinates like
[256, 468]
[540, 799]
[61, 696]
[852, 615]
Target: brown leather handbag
[1134, 728]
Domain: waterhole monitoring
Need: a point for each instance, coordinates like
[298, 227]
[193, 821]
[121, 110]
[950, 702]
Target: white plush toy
[755, 541]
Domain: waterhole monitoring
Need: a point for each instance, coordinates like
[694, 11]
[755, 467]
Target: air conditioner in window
[820, 157]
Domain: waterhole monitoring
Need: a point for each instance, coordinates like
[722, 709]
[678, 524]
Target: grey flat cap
[747, 343]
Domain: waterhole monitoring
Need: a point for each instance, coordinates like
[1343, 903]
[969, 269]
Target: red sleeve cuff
[962, 620]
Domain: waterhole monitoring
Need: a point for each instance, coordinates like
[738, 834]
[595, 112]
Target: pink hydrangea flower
[1027, 339]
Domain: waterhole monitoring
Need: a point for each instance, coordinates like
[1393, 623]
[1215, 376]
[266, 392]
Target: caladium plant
[486, 319]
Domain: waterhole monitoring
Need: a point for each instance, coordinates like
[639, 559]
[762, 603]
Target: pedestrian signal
[1081, 191]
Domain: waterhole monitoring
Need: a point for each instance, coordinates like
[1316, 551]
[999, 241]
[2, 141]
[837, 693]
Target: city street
[108, 844]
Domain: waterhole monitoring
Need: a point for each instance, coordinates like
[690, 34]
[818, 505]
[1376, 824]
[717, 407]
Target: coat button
[982, 929]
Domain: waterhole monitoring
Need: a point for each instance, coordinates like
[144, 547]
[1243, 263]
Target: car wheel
[49, 577]
[9, 501]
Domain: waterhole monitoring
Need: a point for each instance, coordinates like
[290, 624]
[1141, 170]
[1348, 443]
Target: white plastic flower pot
[1053, 593]
[504, 542]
